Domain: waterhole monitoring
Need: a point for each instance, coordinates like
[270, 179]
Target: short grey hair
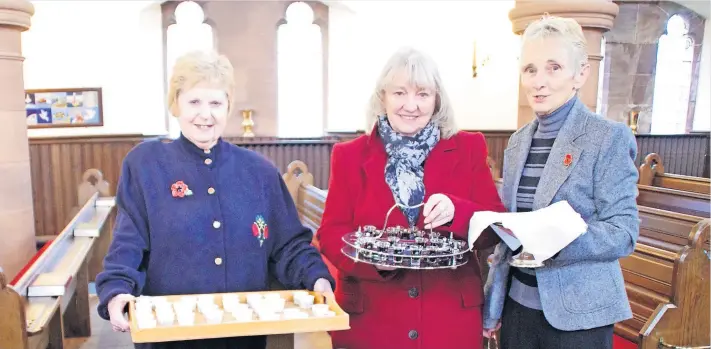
[567, 29]
[423, 72]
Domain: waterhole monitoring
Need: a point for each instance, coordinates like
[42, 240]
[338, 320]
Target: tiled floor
[103, 337]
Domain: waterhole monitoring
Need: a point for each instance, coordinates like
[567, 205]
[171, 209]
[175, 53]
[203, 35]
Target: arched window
[672, 80]
[189, 33]
[300, 74]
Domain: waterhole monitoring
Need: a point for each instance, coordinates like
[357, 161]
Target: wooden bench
[651, 173]
[649, 271]
[49, 299]
[308, 199]
[684, 320]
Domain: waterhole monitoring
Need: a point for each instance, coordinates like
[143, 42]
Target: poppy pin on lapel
[179, 189]
[568, 160]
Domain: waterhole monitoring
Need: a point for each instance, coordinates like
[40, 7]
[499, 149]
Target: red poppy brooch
[567, 160]
[179, 189]
[260, 229]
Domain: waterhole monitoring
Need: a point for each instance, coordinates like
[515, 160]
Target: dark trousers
[526, 328]
[254, 342]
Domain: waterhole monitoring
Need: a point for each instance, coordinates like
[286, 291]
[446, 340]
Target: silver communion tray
[408, 248]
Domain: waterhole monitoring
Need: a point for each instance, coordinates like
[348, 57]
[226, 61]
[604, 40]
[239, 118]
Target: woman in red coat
[412, 155]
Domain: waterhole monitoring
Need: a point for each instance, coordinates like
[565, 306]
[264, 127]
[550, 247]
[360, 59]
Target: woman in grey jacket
[565, 153]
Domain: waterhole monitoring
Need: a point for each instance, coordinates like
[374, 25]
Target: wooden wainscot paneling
[316, 152]
[57, 166]
[57, 163]
[684, 154]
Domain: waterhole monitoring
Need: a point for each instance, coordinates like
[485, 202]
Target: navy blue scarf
[404, 171]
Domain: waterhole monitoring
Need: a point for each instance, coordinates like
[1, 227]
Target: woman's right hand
[489, 332]
[115, 308]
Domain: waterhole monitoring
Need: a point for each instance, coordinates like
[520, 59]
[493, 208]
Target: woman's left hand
[438, 210]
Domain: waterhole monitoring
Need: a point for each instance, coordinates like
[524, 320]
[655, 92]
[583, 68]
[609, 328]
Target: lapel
[516, 155]
[556, 171]
[439, 167]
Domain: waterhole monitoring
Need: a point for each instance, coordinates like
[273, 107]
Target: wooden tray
[229, 327]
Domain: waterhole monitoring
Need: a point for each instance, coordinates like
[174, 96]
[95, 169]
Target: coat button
[412, 334]
[211, 191]
[218, 261]
[216, 224]
[208, 161]
[413, 292]
[207, 151]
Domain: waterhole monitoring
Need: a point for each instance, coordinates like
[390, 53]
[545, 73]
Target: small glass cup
[398, 252]
[416, 252]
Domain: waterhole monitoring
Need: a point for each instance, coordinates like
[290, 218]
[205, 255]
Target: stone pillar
[17, 226]
[595, 16]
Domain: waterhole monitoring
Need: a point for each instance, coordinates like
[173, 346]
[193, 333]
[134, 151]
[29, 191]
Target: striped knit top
[524, 288]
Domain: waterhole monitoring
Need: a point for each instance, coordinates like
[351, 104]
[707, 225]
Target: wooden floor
[103, 337]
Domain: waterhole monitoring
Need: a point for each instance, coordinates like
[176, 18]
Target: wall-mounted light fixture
[477, 62]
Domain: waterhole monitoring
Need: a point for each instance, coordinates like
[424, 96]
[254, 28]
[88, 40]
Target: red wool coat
[431, 309]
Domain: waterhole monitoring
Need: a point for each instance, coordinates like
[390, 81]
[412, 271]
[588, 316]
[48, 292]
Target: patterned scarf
[404, 171]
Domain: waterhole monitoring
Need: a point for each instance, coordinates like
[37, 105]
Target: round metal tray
[406, 248]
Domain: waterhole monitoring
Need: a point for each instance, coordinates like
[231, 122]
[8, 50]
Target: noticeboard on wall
[68, 107]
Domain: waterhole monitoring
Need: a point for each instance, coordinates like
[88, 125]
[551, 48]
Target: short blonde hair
[196, 67]
[567, 29]
[423, 72]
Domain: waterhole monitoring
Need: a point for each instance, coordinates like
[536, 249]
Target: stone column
[17, 226]
[595, 16]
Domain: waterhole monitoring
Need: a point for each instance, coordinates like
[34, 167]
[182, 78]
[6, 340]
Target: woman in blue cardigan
[199, 215]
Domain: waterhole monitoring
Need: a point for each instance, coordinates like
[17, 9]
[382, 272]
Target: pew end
[308, 199]
[13, 310]
[651, 173]
[685, 320]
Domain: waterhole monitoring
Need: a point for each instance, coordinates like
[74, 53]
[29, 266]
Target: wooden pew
[651, 173]
[684, 320]
[691, 203]
[649, 270]
[309, 202]
[49, 299]
[308, 199]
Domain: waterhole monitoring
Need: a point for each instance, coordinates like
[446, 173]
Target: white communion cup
[214, 316]
[242, 314]
[186, 318]
[306, 301]
[319, 309]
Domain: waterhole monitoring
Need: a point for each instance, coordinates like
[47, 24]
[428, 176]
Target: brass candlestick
[247, 123]
[632, 119]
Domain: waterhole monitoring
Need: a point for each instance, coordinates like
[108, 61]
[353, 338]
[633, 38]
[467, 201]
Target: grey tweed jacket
[582, 287]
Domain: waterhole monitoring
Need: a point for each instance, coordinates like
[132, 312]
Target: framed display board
[66, 107]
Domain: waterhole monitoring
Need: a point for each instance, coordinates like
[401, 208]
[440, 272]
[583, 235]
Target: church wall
[363, 37]
[109, 44]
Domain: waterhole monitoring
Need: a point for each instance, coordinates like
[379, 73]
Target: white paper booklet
[543, 233]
